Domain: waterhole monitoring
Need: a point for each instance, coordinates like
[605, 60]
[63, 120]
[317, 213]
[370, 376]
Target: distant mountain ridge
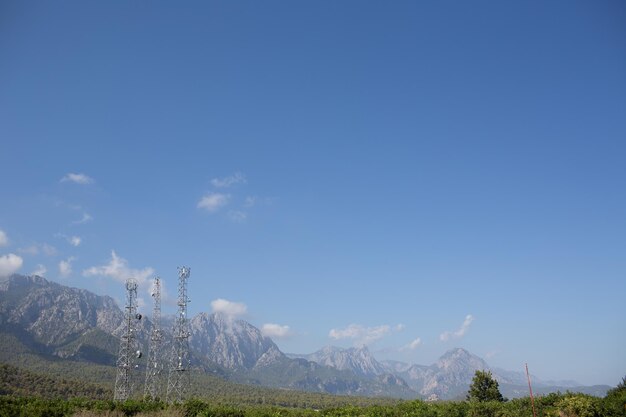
[452, 374]
[447, 378]
[69, 323]
[358, 360]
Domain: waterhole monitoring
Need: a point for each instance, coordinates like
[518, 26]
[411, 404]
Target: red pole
[530, 388]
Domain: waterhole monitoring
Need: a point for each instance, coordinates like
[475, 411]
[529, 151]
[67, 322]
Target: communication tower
[154, 367]
[128, 347]
[179, 379]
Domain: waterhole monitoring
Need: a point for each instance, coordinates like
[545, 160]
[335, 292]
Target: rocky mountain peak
[460, 359]
[54, 313]
[356, 359]
[231, 343]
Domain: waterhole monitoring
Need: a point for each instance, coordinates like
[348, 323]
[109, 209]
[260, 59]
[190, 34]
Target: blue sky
[361, 172]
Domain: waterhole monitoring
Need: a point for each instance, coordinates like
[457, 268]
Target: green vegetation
[20, 382]
[553, 405]
[27, 394]
[484, 388]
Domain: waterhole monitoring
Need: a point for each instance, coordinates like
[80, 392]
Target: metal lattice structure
[179, 378]
[128, 345]
[154, 366]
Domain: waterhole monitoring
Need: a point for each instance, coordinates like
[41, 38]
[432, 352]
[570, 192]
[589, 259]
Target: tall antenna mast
[530, 388]
[128, 352]
[154, 367]
[179, 379]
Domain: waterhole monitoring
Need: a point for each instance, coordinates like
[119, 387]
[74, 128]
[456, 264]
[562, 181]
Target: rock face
[449, 377]
[358, 360]
[232, 344]
[55, 314]
[455, 368]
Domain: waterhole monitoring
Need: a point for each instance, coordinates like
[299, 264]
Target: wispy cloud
[65, 267]
[212, 202]
[413, 345]
[49, 250]
[29, 250]
[237, 216]
[275, 331]
[117, 268]
[4, 240]
[72, 240]
[225, 182]
[250, 201]
[77, 178]
[361, 335]
[457, 334]
[35, 249]
[40, 270]
[231, 309]
[85, 219]
[10, 264]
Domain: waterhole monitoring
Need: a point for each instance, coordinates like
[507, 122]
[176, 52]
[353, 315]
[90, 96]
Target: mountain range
[73, 324]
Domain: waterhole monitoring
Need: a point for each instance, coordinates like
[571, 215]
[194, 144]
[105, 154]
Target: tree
[484, 388]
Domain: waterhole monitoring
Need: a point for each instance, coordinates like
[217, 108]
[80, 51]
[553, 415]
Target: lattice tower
[179, 378]
[154, 366]
[128, 345]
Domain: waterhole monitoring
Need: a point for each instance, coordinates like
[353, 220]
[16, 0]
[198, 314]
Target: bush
[579, 405]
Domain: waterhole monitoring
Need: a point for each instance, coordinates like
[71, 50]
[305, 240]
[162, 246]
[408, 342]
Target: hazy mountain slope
[452, 374]
[358, 360]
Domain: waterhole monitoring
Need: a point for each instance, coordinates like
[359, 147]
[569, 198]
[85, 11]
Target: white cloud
[400, 327]
[118, 269]
[457, 334]
[77, 178]
[40, 270]
[85, 219]
[360, 334]
[237, 216]
[9, 264]
[250, 201]
[413, 345]
[65, 267]
[30, 250]
[236, 178]
[72, 240]
[4, 240]
[228, 308]
[212, 202]
[47, 249]
[275, 330]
